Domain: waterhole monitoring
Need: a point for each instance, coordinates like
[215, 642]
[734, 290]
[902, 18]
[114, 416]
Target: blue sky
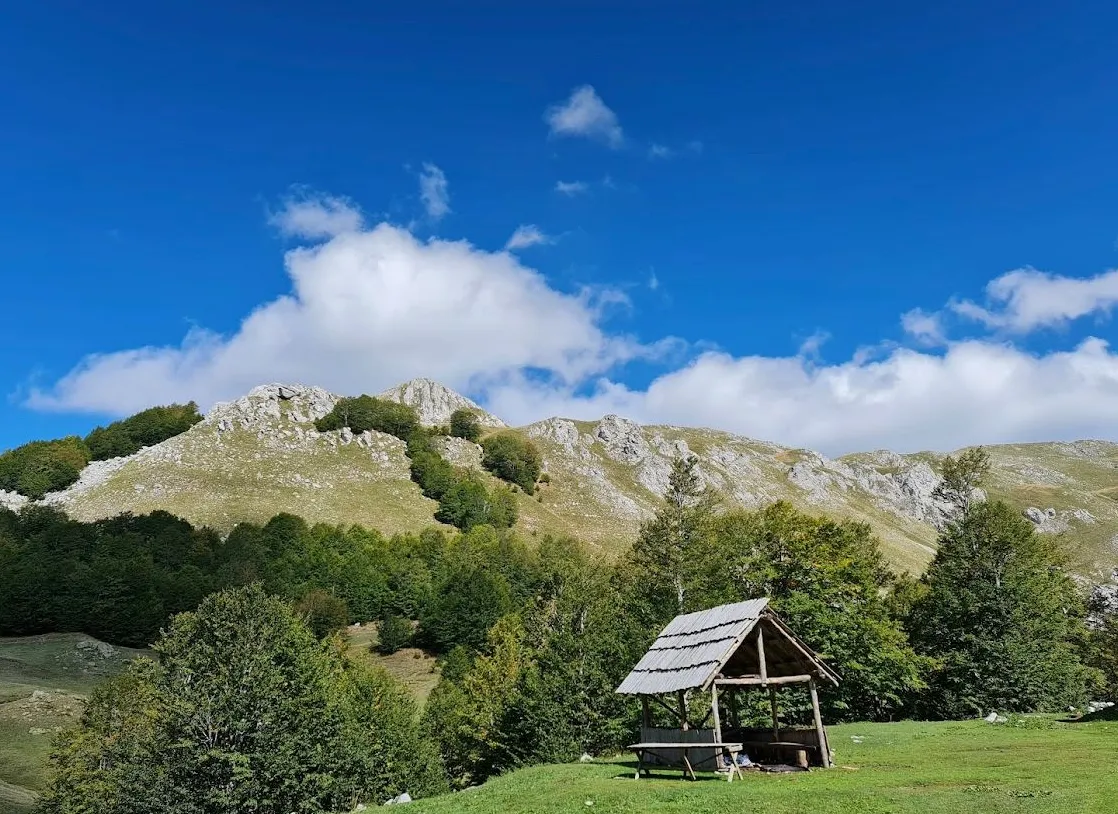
[841, 226]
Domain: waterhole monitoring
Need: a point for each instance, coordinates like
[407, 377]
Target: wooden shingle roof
[694, 647]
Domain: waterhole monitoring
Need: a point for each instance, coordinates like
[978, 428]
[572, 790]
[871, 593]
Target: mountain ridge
[260, 454]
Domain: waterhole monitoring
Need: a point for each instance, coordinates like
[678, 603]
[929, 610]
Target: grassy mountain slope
[261, 454]
[43, 681]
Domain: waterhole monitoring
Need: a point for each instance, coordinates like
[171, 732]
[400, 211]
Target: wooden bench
[729, 749]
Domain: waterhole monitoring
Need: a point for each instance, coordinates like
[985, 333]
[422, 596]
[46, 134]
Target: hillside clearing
[1031, 764]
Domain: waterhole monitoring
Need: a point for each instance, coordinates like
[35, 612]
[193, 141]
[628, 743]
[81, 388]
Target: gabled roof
[694, 648]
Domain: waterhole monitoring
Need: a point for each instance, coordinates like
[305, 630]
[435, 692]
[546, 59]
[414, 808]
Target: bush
[464, 423]
[152, 426]
[512, 458]
[323, 613]
[393, 633]
[367, 413]
[40, 467]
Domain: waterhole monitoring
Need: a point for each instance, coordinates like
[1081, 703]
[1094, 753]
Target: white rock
[434, 402]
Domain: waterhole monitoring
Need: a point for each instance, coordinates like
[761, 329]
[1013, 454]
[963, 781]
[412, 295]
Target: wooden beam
[776, 717]
[646, 713]
[820, 733]
[761, 682]
[796, 642]
[761, 653]
[670, 710]
[682, 696]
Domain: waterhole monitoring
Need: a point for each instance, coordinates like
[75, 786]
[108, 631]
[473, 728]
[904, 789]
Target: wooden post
[714, 710]
[646, 714]
[761, 654]
[735, 721]
[820, 734]
[776, 717]
[682, 710]
[720, 758]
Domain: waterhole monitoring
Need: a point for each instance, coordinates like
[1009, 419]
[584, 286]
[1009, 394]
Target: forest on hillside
[535, 634]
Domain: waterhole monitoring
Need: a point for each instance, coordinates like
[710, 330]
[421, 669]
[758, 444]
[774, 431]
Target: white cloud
[585, 114]
[372, 306]
[367, 310]
[1026, 299]
[528, 235]
[571, 188]
[311, 215]
[925, 328]
[660, 151]
[976, 392]
[433, 192]
[653, 281]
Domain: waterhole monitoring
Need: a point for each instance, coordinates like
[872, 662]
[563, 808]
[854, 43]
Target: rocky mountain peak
[262, 405]
[434, 402]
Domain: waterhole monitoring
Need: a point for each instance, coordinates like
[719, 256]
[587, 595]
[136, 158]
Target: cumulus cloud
[368, 309]
[585, 114]
[1026, 299]
[371, 306]
[571, 188]
[660, 151]
[926, 328]
[313, 215]
[528, 235]
[434, 192]
[976, 392]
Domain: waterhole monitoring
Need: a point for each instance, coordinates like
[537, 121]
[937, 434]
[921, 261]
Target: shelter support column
[776, 715]
[646, 713]
[682, 710]
[820, 733]
[714, 712]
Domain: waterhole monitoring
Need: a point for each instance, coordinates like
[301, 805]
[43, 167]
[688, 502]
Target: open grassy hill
[1027, 765]
[260, 455]
[43, 681]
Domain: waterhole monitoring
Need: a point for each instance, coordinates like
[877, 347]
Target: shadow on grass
[660, 772]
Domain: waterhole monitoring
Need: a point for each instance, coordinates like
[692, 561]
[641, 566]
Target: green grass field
[1026, 765]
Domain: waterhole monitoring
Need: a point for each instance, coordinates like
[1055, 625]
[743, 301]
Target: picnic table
[729, 749]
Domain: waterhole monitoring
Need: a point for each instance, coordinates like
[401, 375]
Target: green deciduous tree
[962, 477]
[244, 711]
[1002, 616]
[512, 458]
[322, 612]
[673, 549]
[144, 429]
[464, 423]
[361, 413]
[393, 633]
[39, 467]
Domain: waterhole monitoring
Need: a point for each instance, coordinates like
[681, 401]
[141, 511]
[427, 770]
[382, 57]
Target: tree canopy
[244, 711]
[464, 423]
[512, 458]
[144, 429]
[361, 413]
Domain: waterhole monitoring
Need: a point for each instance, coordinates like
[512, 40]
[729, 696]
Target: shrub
[464, 423]
[512, 458]
[146, 428]
[393, 633]
[40, 467]
[367, 413]
[323, 613]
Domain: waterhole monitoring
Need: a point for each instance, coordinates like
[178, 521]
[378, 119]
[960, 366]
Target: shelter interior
[727, 652]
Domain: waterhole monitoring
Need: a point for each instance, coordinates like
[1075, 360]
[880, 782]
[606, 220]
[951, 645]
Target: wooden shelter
[726, 650]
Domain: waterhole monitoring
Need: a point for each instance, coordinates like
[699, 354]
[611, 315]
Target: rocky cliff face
[434, 403]
[261, 454]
